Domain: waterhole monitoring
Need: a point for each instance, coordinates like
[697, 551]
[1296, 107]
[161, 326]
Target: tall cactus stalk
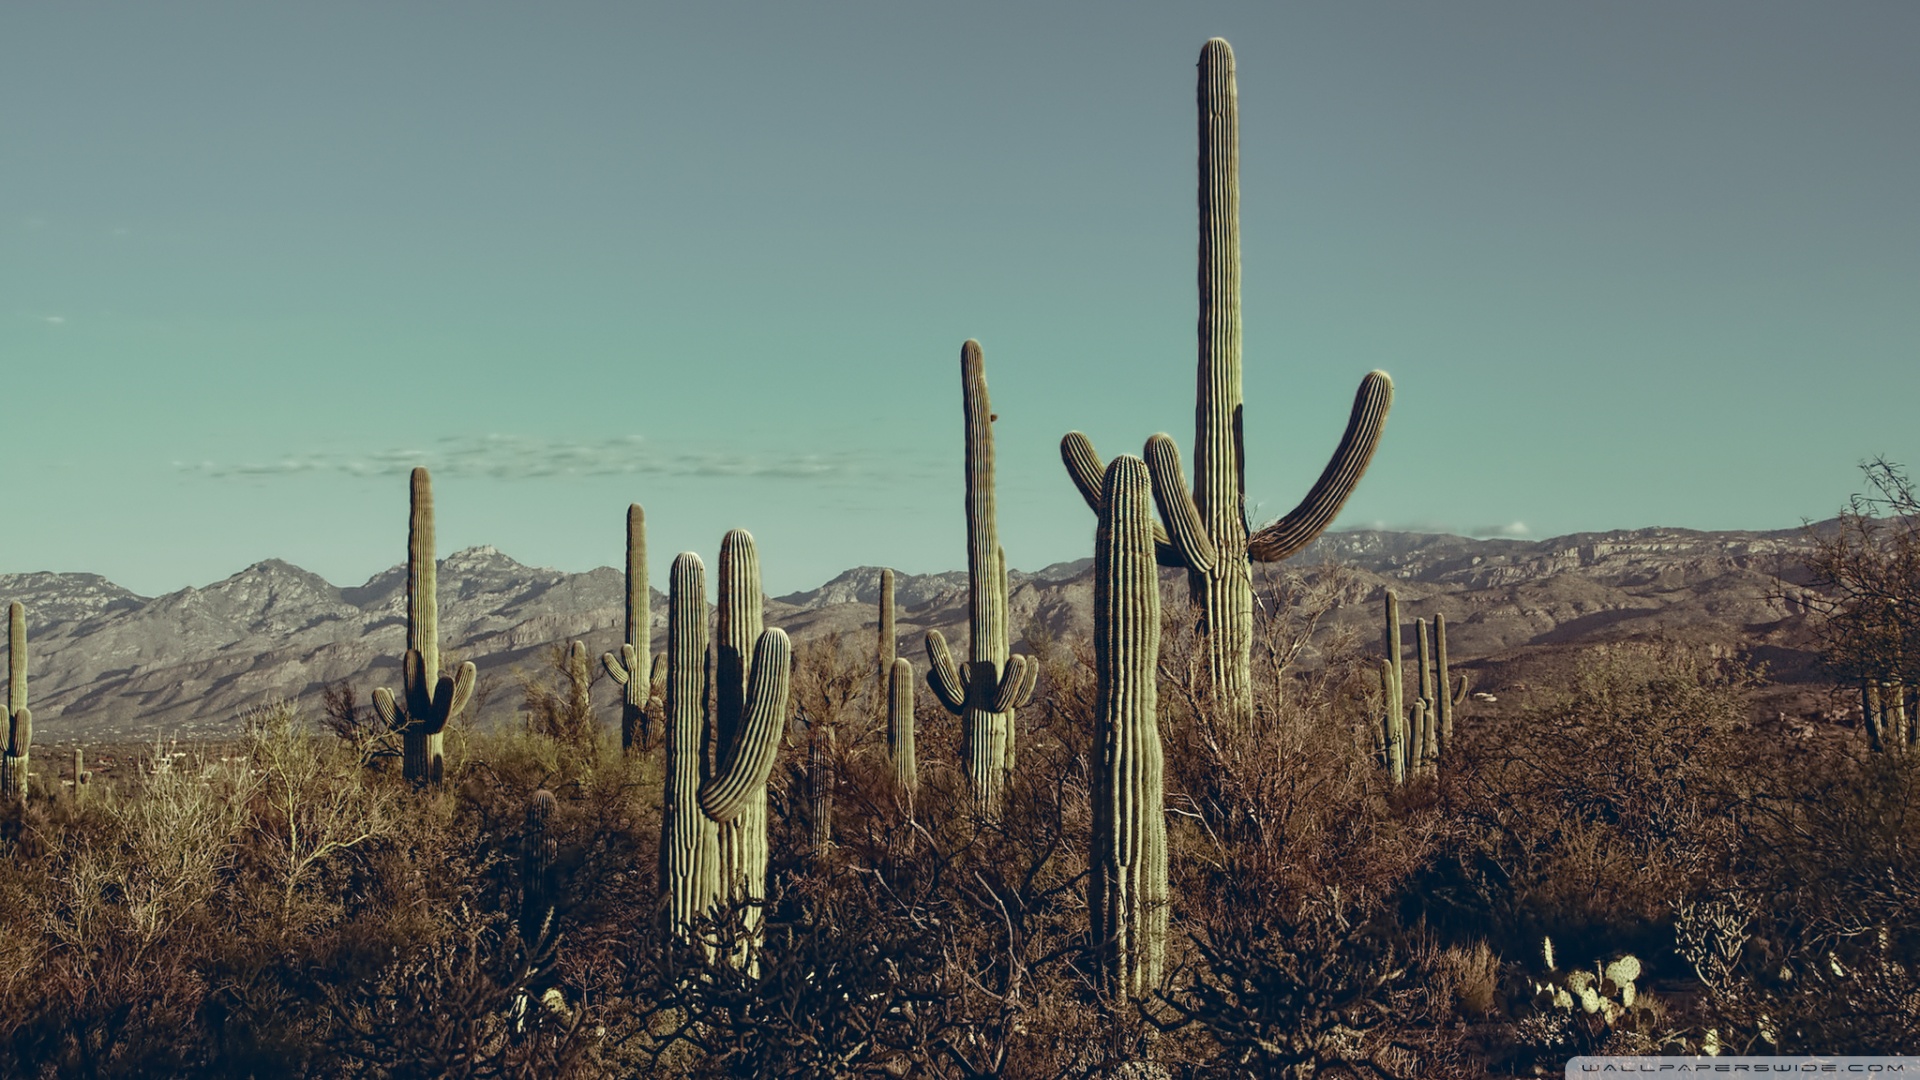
[993, 683]
[886, 638]
[19, 716]
[536, 881]
[431, 699]
[714, 847]
[1443, 696]
[820, 788]
[1393, 723]
[1206, 530]
[1127, 894]
[906, 772]
[644, 679]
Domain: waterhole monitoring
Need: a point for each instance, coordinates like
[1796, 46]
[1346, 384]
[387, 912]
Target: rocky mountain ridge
[108, 664]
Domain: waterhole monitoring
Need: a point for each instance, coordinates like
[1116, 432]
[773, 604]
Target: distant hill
[111, 665]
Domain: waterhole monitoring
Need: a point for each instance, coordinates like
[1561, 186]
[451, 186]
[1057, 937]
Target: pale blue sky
[1631, 263]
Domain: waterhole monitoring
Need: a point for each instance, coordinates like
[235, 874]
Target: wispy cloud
[521, 457]
[54, 320]
[1515, 530]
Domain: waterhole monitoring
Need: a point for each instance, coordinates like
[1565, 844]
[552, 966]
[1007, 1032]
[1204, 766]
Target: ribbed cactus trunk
[642, 677]
[1871, 717]
[1127, 893]
[424, 750]
[1205, 529]
[906, 772]
[431, 699]
[993, 683]
[1223, 592]
[1393, 684]
[18, 757]
[887, 634]
[820, 789]
[690, 850]
[537, 870]
[743, 840]
[715, 843]
[1443, 698]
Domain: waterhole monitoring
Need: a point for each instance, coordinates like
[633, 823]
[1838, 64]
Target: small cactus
[645, 680]
[993, 683]
[431, 698]
[1127, 893]
[18, 760]
[536, 879]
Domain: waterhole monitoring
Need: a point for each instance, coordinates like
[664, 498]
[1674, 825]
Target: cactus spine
[19, 716]
[1206, 531]
[1127, 897]
[644, 679]
[431, 699]
[993, 684]
[906, 772]
[715, 843]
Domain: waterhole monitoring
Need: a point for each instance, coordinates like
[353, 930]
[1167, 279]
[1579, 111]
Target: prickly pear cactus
[18, 758]
[1206, 528]
[431, 699]
[1127, 891]
[644, 680]
[993, 683]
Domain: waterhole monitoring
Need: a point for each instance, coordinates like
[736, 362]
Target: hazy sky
[1629, 264]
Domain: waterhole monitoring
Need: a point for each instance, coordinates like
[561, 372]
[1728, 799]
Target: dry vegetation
[291, 907]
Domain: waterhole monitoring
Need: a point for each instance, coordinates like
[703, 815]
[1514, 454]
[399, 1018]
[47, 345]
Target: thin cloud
[521, 457]
[1513, 530]
[56, 320]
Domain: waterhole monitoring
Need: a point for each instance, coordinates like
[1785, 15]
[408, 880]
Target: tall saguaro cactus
[431, 698]
[1206, 530]
[1127, 894]
[714, 847]
[886, 635]
[906, 772]
[19, 716]
[993, 683]
[644, 679]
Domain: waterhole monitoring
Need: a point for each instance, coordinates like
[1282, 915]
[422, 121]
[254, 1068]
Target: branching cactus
[431, 698]
[19, 716]
[645, 680]
[715, 839]
[1206, 530]
[906, 772]
[1127, 893]
[993, 684]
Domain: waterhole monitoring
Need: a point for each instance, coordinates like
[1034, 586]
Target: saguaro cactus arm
[749, 759]
[431, 709]
[1177, 509]
[1084, 468]
[947, 682]
[1285, 537]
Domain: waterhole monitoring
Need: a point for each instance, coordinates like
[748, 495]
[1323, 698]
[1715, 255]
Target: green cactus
[820, 788]
[1444, 689]
[431, 698]
[1871, 717]
[645, 680]
[1393, 725]
[906, 772]
[19, 717]
[537, 880]
[1206, 531]
[886, 637]
[1127, 893]
[993, 683]
[714, 846]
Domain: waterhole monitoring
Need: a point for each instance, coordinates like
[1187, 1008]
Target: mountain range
[111, 666]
